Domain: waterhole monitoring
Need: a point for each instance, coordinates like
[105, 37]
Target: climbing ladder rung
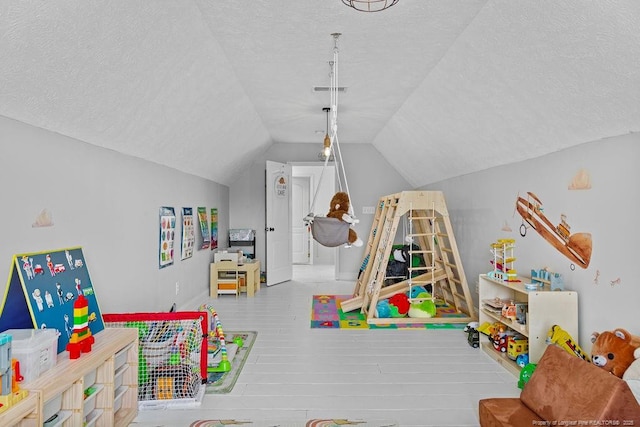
[448, 250]
[425, 268]
[421, 234]
[421, 282]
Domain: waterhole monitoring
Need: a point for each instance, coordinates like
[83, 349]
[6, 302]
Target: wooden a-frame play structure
[430, 229]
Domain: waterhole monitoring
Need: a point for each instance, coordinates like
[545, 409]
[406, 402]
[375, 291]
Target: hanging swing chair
[332, 232]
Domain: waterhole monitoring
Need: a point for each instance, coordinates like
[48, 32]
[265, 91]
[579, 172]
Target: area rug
[326, 313]
[223, 382]
[284, 423]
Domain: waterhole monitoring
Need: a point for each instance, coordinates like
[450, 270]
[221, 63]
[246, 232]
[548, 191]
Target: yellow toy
[516, 346]
[503, 260]
[562, 338]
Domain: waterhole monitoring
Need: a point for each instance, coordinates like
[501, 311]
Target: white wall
[369, 175]
[480, 204]
[108, 204]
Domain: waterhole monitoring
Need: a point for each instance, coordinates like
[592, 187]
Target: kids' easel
[41, 290]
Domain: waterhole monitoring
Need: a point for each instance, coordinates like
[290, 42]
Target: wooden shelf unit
[27, 407]
[114, 356]
[545, 308]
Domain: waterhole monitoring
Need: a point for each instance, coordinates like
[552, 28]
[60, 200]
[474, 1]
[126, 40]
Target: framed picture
[188, 233]
[204, 227]
[167, 235]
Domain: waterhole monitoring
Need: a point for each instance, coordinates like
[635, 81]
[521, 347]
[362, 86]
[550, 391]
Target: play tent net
[172, 356]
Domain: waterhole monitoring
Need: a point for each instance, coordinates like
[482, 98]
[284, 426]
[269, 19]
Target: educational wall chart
[214, 228]
[188, 233]
[204, 227]
[42, 289]
[167, 235]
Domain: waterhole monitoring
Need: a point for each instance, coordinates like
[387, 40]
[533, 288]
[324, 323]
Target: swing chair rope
[334, 144]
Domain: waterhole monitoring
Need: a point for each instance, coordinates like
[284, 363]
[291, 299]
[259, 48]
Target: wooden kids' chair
[228, 278]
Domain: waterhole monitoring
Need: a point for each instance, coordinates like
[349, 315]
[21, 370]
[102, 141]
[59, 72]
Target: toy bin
[35, 349]
[52, 407]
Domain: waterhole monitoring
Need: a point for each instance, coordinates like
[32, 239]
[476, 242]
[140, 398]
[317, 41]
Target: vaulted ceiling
[440, 87]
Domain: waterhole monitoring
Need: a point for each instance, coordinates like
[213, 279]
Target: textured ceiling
[440, 87]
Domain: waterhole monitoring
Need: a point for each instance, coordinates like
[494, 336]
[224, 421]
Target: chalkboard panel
[42, 289]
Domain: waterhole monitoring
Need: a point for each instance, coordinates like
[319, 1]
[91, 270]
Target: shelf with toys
[83, 391]
[513, 311]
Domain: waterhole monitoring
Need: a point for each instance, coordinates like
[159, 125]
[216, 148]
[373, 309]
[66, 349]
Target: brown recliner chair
[565, 390]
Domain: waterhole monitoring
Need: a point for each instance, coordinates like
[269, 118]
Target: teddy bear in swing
[339, 209]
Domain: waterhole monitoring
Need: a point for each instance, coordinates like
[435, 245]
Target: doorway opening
[305, 178]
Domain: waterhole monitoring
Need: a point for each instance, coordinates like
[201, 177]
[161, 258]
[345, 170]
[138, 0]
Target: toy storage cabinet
[545, 309]
[112, 364]
[27, 407]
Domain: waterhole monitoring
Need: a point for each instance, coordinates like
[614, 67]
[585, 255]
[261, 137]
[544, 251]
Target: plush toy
[383, 310]
[399, 304]
[415, 291]
[339, 209]
[424, 309]
[613, 351]
[632, 375]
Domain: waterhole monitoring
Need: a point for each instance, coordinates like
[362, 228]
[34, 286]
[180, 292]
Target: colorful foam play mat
[326, 313]
[325, 422]
[238, 346]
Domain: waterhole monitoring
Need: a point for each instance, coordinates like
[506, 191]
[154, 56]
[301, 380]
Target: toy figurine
[81, 339]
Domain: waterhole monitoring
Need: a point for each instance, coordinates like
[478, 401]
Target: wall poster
[188, 233]
[204, 227]
[214, 228]
[167, 235]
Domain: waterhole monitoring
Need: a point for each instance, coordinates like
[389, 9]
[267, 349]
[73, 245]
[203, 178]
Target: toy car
[516, 346]
[473, 337]
[500, 343]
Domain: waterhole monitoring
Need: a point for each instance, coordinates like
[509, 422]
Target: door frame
[313, 169]
[278, 265]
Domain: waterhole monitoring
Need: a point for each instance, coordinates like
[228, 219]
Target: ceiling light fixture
[326, 144]
[370, 5]
[326, 147]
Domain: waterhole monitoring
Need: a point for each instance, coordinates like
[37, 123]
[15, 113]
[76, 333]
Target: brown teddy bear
[613, 351]
[339, 209]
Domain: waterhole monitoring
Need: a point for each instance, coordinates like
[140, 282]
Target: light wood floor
[414, 377]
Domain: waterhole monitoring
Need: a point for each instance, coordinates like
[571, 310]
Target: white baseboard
[194, 302]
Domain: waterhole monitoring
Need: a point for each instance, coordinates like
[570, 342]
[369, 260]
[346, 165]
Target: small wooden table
[252, 282]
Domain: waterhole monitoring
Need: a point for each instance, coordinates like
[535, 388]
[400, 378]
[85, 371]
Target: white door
[300, 207]
[278, 223]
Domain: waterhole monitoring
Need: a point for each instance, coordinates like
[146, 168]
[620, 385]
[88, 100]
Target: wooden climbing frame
[432, 232]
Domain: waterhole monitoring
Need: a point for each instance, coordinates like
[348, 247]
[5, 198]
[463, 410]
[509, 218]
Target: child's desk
[251, 270]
